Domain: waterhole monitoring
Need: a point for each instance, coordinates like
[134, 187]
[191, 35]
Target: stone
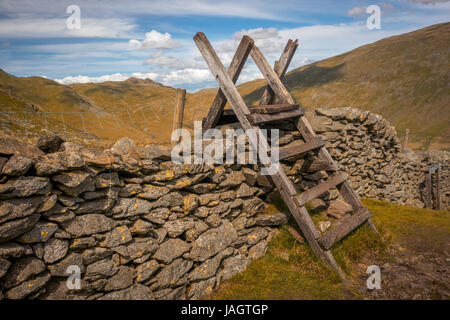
[123, 146]
[15, 228]
[209, 268]
[317, 204]
[10, 146]
[141, 228]
[158, 215]
[135, 292]
[255, 236]
[57, 162]
[170, 275]
[82, 243]
[213, 241]
[190, 203]
[213, 221]
[74, 183]
[88, 224]
[170, 250]
[49, 143]
[59, 269]
[130, 190]
[252, 206]
[271, 219]
[258, 250]
[201, 289]
[17, 166]
[101, 269]
[233, 179]
[91, 255]
[4, 266]
[201, 188]
[250, 176]
[171, 294]
[338, 208]
[324, 225]
[126, 207]
[49, 203]
[22, 270]
[121, 280]
[246, 191]
[231, 266]
[138, 250]
[26, 187]
[176, 227]
[146, 270]
[18, 208]
[55, 249]
[169, 200]
[28, 287]
[116, 237]
[107, 180]
[14, 250]
[103, 205]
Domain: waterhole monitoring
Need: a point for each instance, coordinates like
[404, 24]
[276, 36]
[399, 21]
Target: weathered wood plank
[272, 78]
[179, 110]
[280, 69]
[347, 225]
[272, 108]
[321, 188]
[235, 68]
[438, 188]
[257, 118]
[428, 196]
[299, 148]
[239, 107]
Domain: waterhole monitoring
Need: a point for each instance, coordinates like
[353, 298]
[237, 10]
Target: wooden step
[272, 108]
[257, 118]
[347, 225]
[295, 148]
[319, 189]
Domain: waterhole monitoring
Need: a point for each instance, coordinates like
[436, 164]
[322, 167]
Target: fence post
[438, 188]
[179, 109]
[405, 141]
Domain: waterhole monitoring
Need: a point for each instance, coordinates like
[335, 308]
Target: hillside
[404, 78]
[105, 111]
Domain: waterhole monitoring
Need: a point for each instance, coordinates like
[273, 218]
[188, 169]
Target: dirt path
[418, 268]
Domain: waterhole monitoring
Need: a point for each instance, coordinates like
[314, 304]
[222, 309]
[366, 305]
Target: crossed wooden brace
[227, 79]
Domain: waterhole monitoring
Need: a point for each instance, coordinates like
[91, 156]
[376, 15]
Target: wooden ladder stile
[250, 117]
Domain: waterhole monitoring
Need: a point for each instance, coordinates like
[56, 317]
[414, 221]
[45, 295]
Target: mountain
[404, 78]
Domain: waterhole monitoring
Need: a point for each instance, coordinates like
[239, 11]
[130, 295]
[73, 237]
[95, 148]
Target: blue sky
[153, 38]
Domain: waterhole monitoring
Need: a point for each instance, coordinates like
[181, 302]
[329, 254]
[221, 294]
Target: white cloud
[185, 76]
[29, 27]
[169, 62]
[356, 12]
[258, 33]
[110, 77]
[154, 40]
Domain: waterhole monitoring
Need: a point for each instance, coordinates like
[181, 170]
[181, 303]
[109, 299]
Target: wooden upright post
[405, 141]
[438, 188]
[428, 197]
[179, 109]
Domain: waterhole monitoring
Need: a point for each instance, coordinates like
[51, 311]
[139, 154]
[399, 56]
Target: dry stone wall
[137, 226]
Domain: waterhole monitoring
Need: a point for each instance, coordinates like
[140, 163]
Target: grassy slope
[289, 270]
